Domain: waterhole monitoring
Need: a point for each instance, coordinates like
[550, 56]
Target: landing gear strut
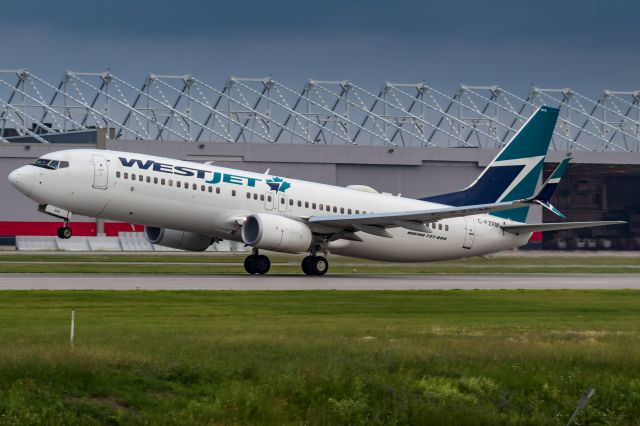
[65, 231]
[257, 263]
[315, 265]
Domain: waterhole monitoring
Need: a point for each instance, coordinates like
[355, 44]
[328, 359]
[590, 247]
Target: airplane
[189, 206]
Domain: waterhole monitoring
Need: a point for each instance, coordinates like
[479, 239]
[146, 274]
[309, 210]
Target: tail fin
[515, 171]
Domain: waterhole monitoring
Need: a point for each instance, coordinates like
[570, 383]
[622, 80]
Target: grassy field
[451, 357]
[282, 264]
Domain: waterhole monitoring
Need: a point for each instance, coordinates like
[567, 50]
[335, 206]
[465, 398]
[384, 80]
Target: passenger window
[170, 182]
[248, 195]
[148, 179]
[155, 180]
[313, 206]
[255, 196]
[194, 186]
[261, 197]
[357, 211]
[211, 189]
[269, 198]
[446, 227]
[335, 209]
[433, 225]
[140, 178]
[178, 184]
[306, 204]
[126, 175]
[440, 226]
[117, 174]
[342, 210]
[328, 208]
[320, 207]
[202, 188]
[290, 202]
[282, 201]
[217, 190]
[162, 181]
[186, 185]
[299, 203]
[233, 193]
[133, 176]
[349, 211]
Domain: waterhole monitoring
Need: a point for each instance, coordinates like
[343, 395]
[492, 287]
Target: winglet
[543, 196]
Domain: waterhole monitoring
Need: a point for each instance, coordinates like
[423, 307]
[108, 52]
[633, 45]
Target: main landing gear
[315, 265]
[64, 231]
[257, 263]
[260, 264]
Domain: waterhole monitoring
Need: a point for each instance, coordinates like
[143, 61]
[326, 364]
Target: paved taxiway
[329, 282]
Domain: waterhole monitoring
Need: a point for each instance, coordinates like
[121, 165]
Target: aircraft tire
[64, 232]
[262, 264]
[320, 265]
[315, 265]
[306, 265]
[250, 264]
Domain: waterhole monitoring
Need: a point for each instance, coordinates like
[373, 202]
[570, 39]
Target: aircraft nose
[22, 178]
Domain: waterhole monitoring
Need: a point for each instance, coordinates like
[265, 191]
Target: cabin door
[100, 172]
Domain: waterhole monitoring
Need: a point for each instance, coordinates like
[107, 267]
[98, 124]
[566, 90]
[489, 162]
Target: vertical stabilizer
[514, 172]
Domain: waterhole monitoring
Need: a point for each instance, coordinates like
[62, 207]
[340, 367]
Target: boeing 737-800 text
[190, 206]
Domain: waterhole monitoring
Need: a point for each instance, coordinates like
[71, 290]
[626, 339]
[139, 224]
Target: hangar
[410, 139]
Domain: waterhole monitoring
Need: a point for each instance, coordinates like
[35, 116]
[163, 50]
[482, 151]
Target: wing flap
[390, 219]
[535, 227]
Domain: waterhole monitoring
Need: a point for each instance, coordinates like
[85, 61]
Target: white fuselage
[212, 201]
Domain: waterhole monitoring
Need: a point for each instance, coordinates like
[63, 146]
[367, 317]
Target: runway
[329, 282]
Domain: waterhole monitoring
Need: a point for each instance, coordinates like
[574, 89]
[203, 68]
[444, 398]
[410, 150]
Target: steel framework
[264, 110]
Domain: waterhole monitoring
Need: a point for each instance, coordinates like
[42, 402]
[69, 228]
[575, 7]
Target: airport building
[409, 139]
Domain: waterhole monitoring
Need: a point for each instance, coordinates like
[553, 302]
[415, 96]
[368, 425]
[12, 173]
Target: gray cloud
[551, 43]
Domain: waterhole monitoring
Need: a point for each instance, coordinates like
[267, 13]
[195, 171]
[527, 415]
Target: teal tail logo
[514, 172]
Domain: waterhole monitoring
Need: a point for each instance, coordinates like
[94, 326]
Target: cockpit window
[51, 164]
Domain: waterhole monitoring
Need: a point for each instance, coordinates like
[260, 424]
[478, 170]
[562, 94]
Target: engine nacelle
[272, 232]
[177, 239]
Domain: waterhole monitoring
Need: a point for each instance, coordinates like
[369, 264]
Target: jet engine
[177, 239]
[272, 232]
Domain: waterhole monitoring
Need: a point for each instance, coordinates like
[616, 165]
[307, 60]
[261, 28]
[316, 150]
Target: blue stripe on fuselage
[489, 187]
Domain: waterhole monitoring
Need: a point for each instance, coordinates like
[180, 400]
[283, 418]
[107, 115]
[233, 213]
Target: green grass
[283, 264]
[436, 357]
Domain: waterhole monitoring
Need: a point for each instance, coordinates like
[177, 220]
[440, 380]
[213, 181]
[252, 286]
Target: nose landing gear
[257, 263]
[64, 231]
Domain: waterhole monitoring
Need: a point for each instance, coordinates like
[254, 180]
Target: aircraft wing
[534, 227]
[375, 223]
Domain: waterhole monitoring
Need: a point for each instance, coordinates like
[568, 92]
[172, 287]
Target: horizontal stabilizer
[535, 227]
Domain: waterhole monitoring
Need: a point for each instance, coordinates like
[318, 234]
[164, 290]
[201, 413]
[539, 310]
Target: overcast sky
[586, 45]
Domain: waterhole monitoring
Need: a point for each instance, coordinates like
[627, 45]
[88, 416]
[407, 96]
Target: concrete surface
[329, 282]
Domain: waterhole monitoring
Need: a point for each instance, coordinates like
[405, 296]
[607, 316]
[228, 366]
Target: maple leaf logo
[278, 184]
